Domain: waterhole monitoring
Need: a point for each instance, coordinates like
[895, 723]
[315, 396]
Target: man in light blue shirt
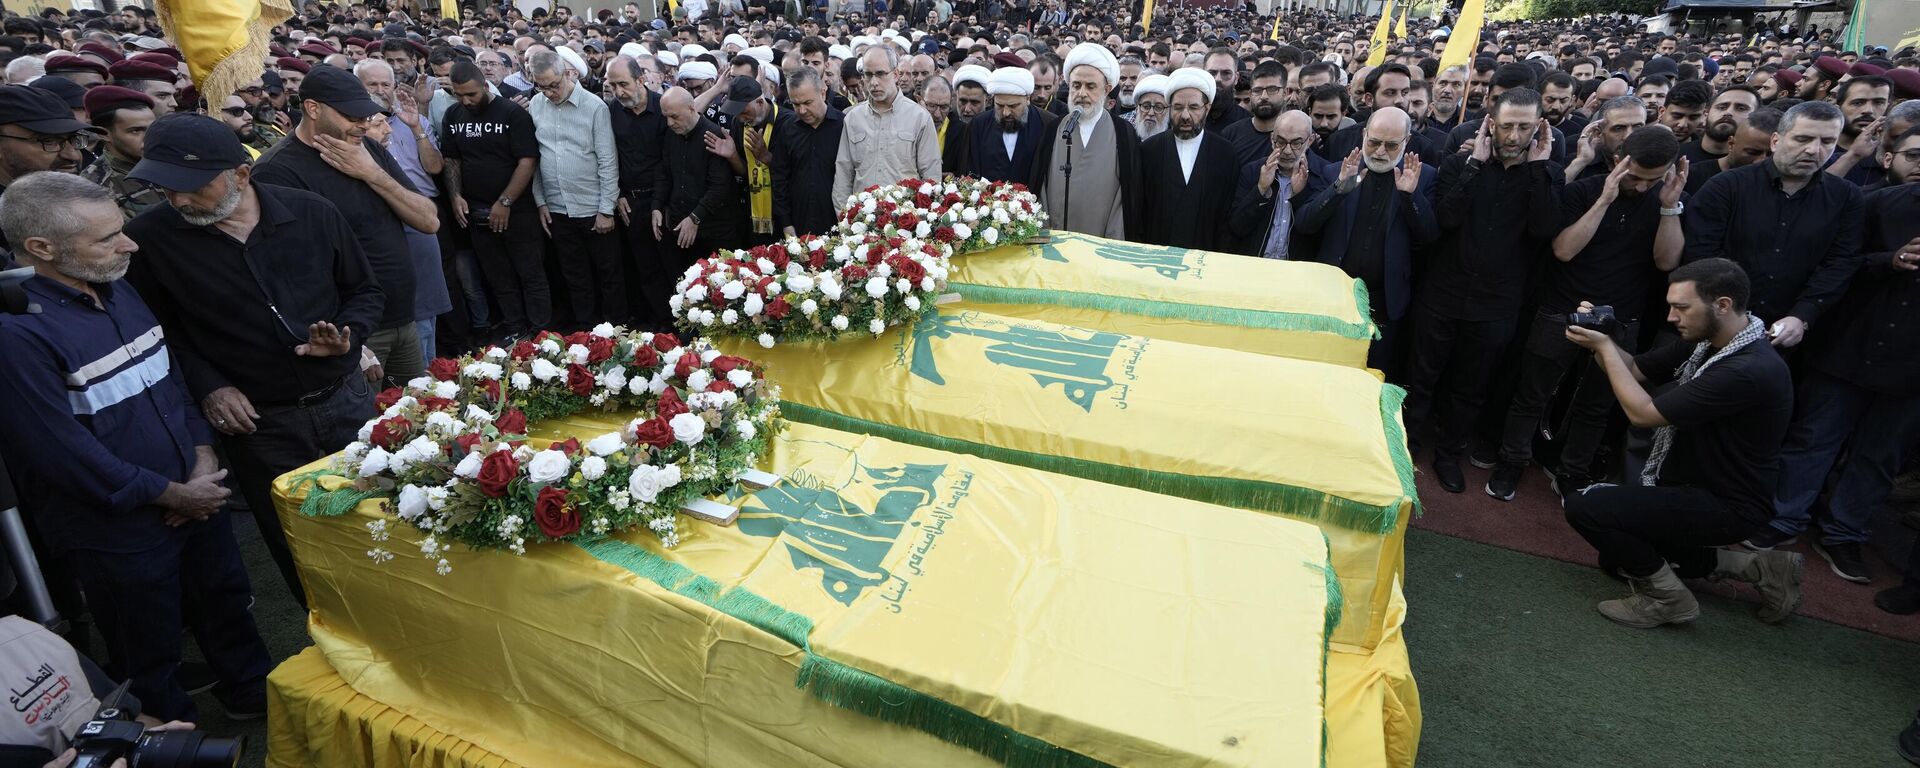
[576, 187]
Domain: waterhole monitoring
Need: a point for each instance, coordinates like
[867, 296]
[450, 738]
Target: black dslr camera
[112, 734]
[1600, 320]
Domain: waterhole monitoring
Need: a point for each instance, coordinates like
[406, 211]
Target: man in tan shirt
[887, 138]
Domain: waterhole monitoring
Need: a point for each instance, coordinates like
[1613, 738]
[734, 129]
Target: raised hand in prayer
[325, 339]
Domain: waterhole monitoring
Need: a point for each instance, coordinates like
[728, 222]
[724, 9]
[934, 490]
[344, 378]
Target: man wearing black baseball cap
[330, 155]
[37, 133]
[267, 297]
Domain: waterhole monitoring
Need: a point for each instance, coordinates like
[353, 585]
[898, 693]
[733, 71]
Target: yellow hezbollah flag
[1377, 47]
[1400, 27]
[450, 9]
[1275, 34]
[1466, 36]
[224, 40]
[1146, 18]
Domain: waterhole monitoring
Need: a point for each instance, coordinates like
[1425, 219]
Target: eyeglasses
[1909, 155]
[1267, 91]
[234, 111]
[1154, 108]
[50, 143]
[1294, 144]
[251, 90]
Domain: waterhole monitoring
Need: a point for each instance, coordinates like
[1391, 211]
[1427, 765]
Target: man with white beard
[1131, 70]
[1149, 115]
[1102, 153]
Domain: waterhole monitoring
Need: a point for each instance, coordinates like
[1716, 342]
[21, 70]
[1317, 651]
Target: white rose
[809, 307]
[753, 305]
[605, 445]
[793, 248]
[437, 498]
[926, 283]
[877, 287]
[478, 415]
[420, 384]
[637, 385]
[544, 370]
[883, 269]
[842, 254]
[646, 483]
[354, 450]
[550, 347]
[439, 420]
[903, 286]
[490, 371]
[764, 264]
[688, 428]
[496, 353]
[578, 353]
[412, 502]
[469, 466]
[603, 330]
[708, 355]
[422, 449]
[913, 303]
[732, 290]
[657, 384]
[740, 377]
[766, 340]
[615, 378]
[922, 229]
[375, 462]
[729, 317]
[990, 235]
[858, 228]
[799, 284]
[548, 466]
[446, 389]
[962, 231]
[876, 326]
[839, 322]
[697, 292]
[366, 431]
[521, 381]
[593, 467]
[699, 380]
[745, 429]
[674, 303]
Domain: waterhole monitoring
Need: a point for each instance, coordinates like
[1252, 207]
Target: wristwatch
[695, 217]
[505, 202]
[1677, 209]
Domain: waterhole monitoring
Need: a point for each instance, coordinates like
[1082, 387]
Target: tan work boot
[1656, 600]
[1776, 574]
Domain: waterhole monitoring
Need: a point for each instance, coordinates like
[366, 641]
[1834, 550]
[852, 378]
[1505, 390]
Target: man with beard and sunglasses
[1728, 112]
[267, 299]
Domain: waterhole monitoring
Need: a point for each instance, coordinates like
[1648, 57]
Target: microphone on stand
[1066, 199]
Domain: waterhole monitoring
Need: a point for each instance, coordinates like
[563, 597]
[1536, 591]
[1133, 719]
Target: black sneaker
[1844, 557]
[1899, 601]
[1563, 485]
[1505, 481]
[1446, 469]
[1909, 742]
[1484, 458]
[1768, 538]
[195, 676]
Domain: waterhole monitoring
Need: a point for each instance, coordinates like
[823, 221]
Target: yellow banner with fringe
[224, 41]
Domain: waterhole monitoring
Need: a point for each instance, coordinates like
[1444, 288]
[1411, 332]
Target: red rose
[569, 446]
[852, 273]
[387, 398]
[545, 335]
[553, 511]
[513, 422]
[726, 363]
[720, 385]
[943, 234]
[491, 389]
[645, 357]
[467, 442]
[599, 349]
[907, 269]
[579, 379]
[685, 367]
[665, 342]
[778, 308]
[654, 432]
[780, 258]
[390, 433]
[578, 337]
[670, 404]
[523, 350]
[433, 403]
[497, 471]
[817, 260]
[443, 369]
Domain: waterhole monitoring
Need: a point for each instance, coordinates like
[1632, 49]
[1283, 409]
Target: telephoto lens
[185, 749]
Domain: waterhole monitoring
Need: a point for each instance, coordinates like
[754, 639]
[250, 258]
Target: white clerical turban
[1097, 56]
[667, 59]
[1184, 78]
[697, 70]
[1150, 84]
[1010, 81]
[972, 73]
[634, 50]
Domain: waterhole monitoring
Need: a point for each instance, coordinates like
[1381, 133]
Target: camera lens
[186, 749]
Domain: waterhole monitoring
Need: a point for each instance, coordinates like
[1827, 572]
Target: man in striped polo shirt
[113, 456]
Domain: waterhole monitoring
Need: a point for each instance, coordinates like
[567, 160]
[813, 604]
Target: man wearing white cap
[696, 77]
[1006, 142]
[1187, 173]
[1089, 168]
[886, 138]
[1149, 115]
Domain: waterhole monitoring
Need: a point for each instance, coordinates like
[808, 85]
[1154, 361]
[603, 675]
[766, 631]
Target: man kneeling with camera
[1710, 478]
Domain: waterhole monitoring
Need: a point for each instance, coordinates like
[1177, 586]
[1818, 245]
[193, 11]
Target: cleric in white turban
[1006, 140]
[1188, 173]
[1091, 169]
[1149, 113]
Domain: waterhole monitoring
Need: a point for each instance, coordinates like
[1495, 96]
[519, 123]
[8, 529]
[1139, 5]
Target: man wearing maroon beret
[107, 55]
[122, 115]
[151, 79]
[1821, 78]
[82, 71]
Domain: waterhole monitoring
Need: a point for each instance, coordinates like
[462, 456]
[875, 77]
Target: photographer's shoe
[1899, 601]
[1484, 458]
[1656, 600]
[1909, 741]
[1777, 575]
[1446, 470]
[1768, 538]
[1505, 481]
[1846, 561]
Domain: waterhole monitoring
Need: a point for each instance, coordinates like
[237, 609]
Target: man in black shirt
[1253, 138]
[804, 151]
[1729, 111]
[1612, 224]
[1793, 229]
[1716, 454]
[491, 150]
[330, 155]
[1498, 208]
[692, 188]
[1859, 390]
[266, 297]
[1753, 143]
[639, 128]
[1224, 66]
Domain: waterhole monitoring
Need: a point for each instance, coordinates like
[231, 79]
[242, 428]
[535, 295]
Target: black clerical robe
[987, 152]
[1187, 212]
